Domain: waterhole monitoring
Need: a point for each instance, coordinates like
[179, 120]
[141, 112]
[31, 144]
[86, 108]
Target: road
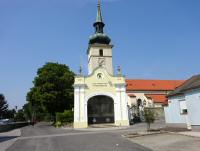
[43, 137]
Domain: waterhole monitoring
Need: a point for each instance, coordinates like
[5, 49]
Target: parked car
[4, 121]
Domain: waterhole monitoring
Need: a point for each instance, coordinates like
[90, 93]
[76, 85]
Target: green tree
[149, 116]
[27, 108]
[53, 89]
[19, 116]
[10, 114]
[3, 106]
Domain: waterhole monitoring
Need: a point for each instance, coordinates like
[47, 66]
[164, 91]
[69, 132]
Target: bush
[64, 118]
[58, 124]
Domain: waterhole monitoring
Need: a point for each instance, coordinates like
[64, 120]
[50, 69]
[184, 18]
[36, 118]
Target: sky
[153, 39]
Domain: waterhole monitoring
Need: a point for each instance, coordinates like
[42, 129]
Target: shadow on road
[6, 138]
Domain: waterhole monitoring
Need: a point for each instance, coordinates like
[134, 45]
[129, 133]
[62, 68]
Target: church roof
[152, 85]
[157, 98]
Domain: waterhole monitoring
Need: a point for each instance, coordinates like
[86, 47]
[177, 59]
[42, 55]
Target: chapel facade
[100, 96]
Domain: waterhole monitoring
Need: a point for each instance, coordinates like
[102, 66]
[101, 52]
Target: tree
[10, 114]
[53, 89]
[19, 116]
[3, 106]
[149, 116]
[27, 108]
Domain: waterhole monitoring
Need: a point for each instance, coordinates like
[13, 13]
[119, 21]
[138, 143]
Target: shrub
[68, 116]
[58, 124]
[149, 116]
[64, 118]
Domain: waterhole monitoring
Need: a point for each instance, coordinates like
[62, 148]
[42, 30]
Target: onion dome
[99, 37]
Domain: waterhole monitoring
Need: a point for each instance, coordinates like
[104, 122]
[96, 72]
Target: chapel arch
[100, 110]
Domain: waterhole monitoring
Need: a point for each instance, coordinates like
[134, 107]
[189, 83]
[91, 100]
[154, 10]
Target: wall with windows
[193, 105]
[139, 96]
[100, 55]
[173, 112]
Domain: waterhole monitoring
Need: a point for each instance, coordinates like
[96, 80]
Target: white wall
[93, 58]
[173, 112]
[193, 105]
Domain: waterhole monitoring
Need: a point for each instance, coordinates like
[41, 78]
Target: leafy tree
[149, 116]
[27, 108]
[53, 89]
[10, 114]
[19, 116]
[3, 106]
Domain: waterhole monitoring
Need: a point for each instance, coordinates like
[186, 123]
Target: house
[183, 104]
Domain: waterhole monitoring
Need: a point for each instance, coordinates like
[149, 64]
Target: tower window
[101, 52]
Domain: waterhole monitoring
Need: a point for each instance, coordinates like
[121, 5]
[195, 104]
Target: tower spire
[99, 36]
[99, 25]
[99, 16]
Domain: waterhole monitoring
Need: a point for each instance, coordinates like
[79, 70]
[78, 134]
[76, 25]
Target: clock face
[101, 61]
[99, 76]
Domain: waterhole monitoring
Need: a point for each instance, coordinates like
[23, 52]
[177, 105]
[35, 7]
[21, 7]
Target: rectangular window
[183, 106]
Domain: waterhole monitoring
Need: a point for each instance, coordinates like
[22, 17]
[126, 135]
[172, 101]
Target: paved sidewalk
[168, 142]
[8, 138]
[190, 133]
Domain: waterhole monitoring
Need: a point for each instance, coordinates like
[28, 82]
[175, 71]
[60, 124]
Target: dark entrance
[100, 110]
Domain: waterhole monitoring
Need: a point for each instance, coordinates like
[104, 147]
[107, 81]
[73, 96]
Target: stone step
[102, 125]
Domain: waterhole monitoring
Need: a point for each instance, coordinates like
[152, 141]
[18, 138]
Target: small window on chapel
[101, 52]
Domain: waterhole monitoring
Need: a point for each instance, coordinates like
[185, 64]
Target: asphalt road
[43, 137]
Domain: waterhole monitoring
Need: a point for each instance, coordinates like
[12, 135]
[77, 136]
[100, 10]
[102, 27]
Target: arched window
[101, 52]
[144, 102]
[139, 102]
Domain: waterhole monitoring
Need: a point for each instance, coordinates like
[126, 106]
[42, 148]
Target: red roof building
[155, 90]
[153, 85]
[158, 98]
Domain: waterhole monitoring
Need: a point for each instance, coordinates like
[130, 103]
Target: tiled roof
[153, 85]
[192, 83]
[157, 98]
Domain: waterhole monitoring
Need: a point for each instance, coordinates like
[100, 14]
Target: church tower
[100, 96]
[99, 49]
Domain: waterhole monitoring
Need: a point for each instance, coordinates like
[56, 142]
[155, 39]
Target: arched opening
[101, 53]
[100, 110]
[139, 104]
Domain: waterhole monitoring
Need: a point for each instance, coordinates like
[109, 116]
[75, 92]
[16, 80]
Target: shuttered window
[183, 106]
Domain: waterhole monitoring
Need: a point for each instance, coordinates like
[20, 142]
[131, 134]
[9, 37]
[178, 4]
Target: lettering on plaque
[100, 84]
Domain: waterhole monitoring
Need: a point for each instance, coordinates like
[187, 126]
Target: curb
[6, 144]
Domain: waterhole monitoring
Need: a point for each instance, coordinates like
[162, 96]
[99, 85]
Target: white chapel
[100, 97]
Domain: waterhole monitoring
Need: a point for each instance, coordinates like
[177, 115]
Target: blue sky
[153, 39]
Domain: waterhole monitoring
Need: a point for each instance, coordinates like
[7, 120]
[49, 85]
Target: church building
[100, 96]
[103, 97]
